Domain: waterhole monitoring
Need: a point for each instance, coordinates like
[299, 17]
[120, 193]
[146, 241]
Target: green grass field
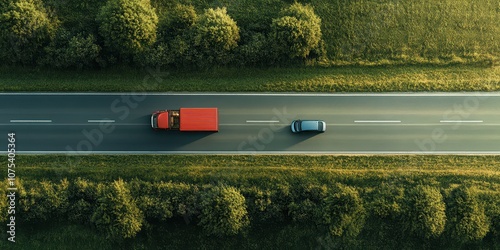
[290, 79]
[303, 175]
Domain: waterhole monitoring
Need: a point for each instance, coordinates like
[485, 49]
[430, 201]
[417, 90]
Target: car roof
[309, 124]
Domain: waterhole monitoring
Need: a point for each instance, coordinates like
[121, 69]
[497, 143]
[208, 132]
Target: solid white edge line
[269, 152]
[262, 121]
[444, 121]
[30, 121]
[100, 120]
[377, 121]
[395, 94]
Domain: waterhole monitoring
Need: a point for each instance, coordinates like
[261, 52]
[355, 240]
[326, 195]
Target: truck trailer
[186, 119]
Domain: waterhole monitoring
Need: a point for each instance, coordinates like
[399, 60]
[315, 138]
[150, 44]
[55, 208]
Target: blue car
[308, 125]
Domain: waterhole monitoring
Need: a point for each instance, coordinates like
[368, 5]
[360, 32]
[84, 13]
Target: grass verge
[290, 79]
[239, 170]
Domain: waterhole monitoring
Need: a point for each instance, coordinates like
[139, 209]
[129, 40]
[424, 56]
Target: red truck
[186, 119]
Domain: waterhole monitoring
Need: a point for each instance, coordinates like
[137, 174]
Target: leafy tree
[127, 26]
[67, 51]
[24, 29]
[172, 46]
[425, 212]
[117, 213]
[307, 201]
[254, 16]
[343, 212]
[303, 211]
[468, 221]
[175, 22]
[297, 31]
[161, 201]
[83, 196]
[386, 210]
[215, 35]
[493, 211]
[77, 16]
[45, 201]
[223, 211]
[387, 201]
[3, 5]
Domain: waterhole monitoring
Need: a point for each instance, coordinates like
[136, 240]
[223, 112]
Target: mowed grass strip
[290, 79]
[244, 170]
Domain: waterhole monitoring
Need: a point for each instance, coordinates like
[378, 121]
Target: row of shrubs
[33, 32]
[186, 33]
[389, 213]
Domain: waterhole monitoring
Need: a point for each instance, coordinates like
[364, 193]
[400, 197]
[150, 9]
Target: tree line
[186, 33]
[71, 34]
[389, 213]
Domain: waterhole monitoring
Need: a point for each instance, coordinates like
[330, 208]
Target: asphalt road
[356, 123]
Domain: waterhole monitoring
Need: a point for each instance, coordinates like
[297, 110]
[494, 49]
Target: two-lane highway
[461, 123]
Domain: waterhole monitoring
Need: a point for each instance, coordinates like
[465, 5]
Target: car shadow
[293, 138]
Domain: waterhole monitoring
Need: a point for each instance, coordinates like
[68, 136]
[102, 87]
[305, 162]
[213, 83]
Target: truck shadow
[170, 139]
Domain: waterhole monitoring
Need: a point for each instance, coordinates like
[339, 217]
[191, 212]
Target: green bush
[162, 201]
[150, 201]
[83, 196]
[425, 212]
[388, 201]
[254, 16]
[215, 35]
[386, 215]
[173, 47]
[256, 51]
[307, 203]
[343, 212]
[117, 213]
[297, 31]
[45, 201]
[223, 211]
[77, 16]
[468, 221]
[67, 51]
[127, 26]
[176, 21]
[493, 212]
[267, 205]
[24, 30]
[4, 4]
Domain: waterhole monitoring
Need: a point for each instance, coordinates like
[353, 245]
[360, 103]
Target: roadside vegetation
[223, 202]
[253, 202]
[249, 45]
[286, 79]
[204, 34]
